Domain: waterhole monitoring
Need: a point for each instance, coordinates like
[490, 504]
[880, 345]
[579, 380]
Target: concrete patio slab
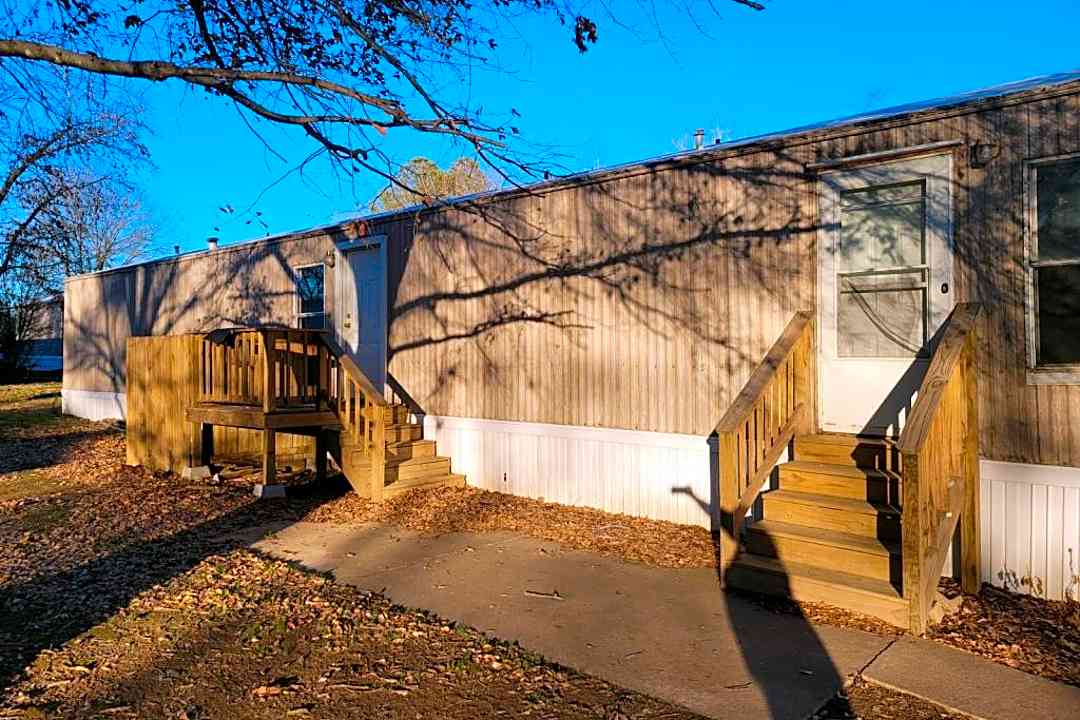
[669, 633]
[971, 685]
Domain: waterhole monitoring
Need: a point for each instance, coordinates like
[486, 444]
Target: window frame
[1060, 374]
[298, 315]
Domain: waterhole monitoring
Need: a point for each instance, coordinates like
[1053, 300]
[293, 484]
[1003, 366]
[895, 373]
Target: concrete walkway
[667, 633]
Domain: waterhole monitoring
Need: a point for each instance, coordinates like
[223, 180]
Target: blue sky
[633, 96]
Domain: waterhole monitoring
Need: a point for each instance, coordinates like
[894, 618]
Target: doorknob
[347, 323]
[944, 288]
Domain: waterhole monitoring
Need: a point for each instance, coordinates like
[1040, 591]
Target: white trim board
[93, 404]
[657, 475]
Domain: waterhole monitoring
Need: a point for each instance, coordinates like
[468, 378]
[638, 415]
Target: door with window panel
[885, 268]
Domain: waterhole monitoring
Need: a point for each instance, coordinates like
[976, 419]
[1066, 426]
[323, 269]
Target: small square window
[1054, 264]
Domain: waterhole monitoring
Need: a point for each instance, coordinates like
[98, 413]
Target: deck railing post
[267, 339]
[377, 417]
[970, 555]
[730, 522]
[912, 545]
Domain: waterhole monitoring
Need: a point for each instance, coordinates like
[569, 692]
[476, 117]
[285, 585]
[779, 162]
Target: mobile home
[886, 307]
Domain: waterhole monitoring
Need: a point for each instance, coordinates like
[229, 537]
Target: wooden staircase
[831, 531]
[279, 380]
[411, 462]
[863, 523]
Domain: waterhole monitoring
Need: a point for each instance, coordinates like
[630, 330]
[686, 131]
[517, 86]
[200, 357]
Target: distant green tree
[421, 182]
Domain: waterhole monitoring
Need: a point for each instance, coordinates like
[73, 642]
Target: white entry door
[360, 307]
[885, 264]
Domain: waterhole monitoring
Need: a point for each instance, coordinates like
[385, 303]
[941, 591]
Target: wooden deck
[271, 382]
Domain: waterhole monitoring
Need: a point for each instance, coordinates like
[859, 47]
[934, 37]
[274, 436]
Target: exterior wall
[93, 405]
[249, 284]
[98, 319]
[642, 302]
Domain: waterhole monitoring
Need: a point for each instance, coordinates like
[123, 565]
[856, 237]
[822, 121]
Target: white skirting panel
[656, 475]
[94, 405]
[1031, 528]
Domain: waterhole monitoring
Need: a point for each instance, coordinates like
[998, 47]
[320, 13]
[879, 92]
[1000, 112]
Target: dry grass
[239, 636]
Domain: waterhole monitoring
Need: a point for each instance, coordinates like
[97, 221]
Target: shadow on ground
[44, 611]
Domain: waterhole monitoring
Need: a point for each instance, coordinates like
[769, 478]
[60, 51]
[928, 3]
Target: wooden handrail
[362, 410]
[775, 404]
[939, 447]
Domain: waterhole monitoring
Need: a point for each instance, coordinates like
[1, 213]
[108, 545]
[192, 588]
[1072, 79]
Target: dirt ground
[866, 700]
[126, 593]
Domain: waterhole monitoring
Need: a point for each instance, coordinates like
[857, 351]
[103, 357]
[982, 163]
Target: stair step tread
[847, 471]
[831, 538]
[427, 481]
[857, 583]
[408, 462]
[845, 439]
[409, 443]
[832, 502]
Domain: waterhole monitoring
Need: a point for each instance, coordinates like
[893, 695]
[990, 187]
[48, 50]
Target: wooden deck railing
[776, 404]
[237, 367]
[939, 447]
[303, 370]
[362, 410]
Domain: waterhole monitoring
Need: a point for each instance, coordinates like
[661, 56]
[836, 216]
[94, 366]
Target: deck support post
[320, 456]
[269, 459]
[206, 443]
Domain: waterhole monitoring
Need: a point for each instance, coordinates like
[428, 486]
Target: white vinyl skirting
[656, 475]
[94, 405]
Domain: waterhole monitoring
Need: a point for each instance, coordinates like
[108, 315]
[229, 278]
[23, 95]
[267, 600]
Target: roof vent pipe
[699, 138]
[176, 249]
[211, 243]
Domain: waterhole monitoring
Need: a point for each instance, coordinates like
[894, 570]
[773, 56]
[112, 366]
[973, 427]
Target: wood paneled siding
[247, 284]
[640, 303]
[642, 299]
[708, 261]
